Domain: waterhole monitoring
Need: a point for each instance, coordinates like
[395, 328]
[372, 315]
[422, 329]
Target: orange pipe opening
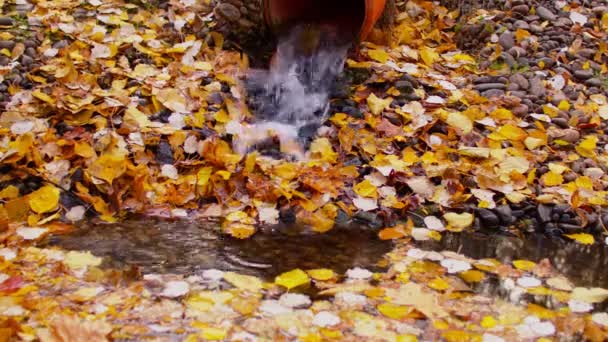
[353, 18]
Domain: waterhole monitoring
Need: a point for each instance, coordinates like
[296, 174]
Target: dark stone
[6, 21]
[544, 213]
[505, 213]
[507, 40]
[521, 9]
[488, 217]
[164, 153]
[545, 13]
[487, 86]
[372, 220]
[493, 93]
[569, 228]
[583, 74]
[7, 44]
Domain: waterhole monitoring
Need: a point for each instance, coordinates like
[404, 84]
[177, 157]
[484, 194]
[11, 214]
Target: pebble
[507, 40]
[488, 86]
[7, 44]
[521, 9]
[505, 214]
[520, 80]
[488, 217]
[493, 93]
[6, 21]
[545, 13]
[537, 88]
[228, 11]
[544, 213]
[583, 74]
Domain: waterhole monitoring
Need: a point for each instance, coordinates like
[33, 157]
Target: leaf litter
[130, 116]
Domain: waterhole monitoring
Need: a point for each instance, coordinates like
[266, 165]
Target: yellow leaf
[502, 114]
[472, 276]
[587, 147]
[460, 121]
[366, 189]
[524, 265]
[321, 274]
[521, 34]
[564, 105]
[44, 200]
[378, 55]
[512, 132]
[394, 311]
[488, 322]
[584, 238]
[78, 260]
[321, 149]
[83, 149]
[203, 175]
[459, 221]
[533, 143]
[428, 55]
[243, 282]
[590, 295]
[377, 105]
[135, 117]
[438, 284]
[292, 279]
[552, 179]
[42, 96]
[108, 167]
[10, 192]
[407, 338]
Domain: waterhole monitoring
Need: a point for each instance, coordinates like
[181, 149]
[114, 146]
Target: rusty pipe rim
[373, 12]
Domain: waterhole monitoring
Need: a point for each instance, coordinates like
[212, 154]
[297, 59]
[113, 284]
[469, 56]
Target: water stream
[292, 96]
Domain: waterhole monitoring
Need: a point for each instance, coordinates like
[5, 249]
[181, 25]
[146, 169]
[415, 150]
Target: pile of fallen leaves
[126, 110]
[130, 114]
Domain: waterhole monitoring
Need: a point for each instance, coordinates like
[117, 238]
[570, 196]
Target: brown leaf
[71, 329]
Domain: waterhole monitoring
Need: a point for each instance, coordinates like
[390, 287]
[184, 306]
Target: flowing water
[292, 97]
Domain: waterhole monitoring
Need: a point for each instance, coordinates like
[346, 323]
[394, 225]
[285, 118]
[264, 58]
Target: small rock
[488, 217]
[545, 13]
[521, 9]
[570, 135]
[507, 40]
[520, 80]
[569, 228]
[493, 93]
[228, 11]
[505, 213]
[521, 110]
[7, 44]
[521, 24]
[517, 52]
[488, 86]
[26, 60]
[594, 82]
[561, 122]
[583, 74]
[544, 213]
[6, 21]
[537, 88]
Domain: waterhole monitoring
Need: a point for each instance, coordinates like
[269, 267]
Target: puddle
[583, 265]
[183, 247]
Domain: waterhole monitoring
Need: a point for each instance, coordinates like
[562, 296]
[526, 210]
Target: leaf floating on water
[28, 233]
[292, 279]
[524, 265]
[243, 282]
[590, 295]
[321, 274]
[582, 238]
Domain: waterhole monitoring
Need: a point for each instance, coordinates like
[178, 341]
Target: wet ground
[183, 247]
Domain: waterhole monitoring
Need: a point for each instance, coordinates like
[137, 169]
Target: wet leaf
[292, 279]
[583, 238]
[459, 221]
[243, 282]
[44, 200]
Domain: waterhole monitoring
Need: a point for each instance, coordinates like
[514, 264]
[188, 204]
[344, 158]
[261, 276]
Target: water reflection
[584, 265]
[184, 247]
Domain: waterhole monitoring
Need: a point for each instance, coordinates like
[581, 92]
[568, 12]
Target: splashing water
[293, 95]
